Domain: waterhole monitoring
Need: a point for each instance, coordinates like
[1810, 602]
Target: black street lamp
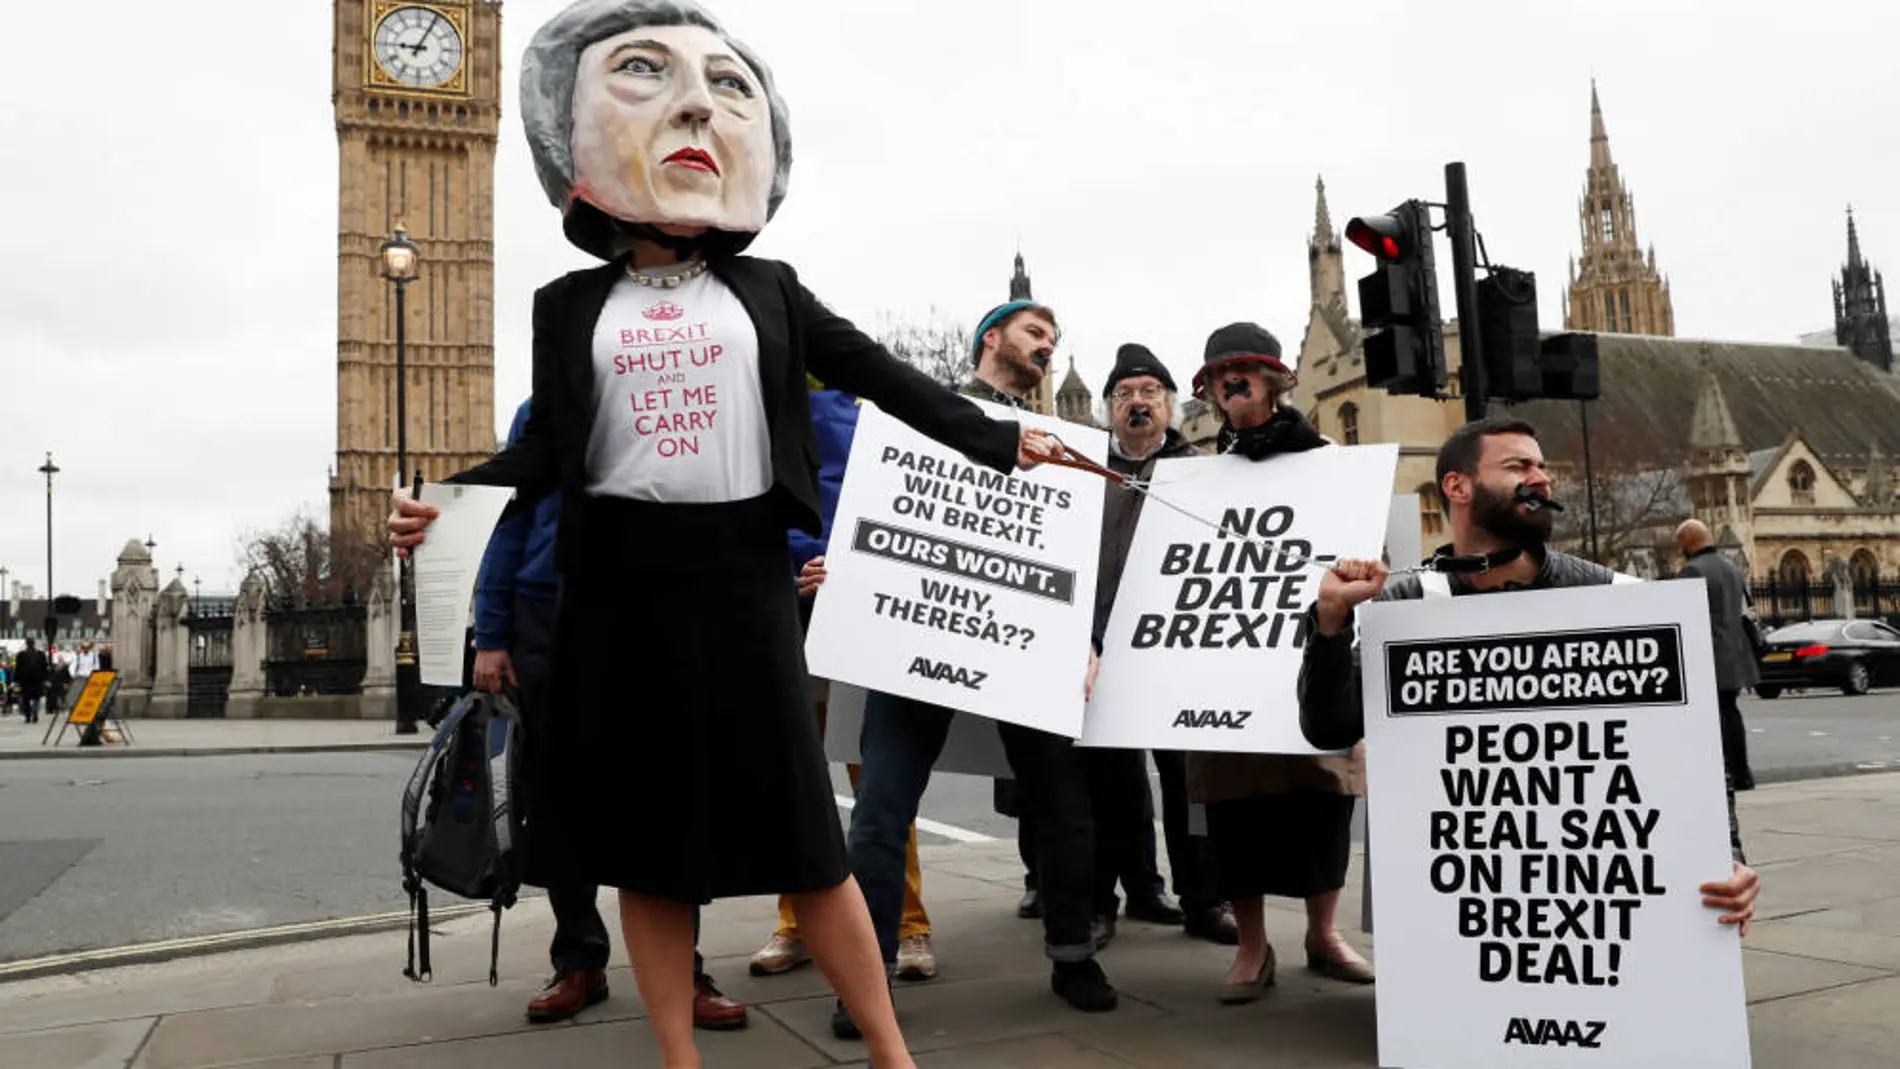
[49, 469]
[399, 261]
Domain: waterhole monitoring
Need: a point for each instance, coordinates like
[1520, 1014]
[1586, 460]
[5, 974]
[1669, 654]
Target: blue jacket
[834, 421]
[519, 560]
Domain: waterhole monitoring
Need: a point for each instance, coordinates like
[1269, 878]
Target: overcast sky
[168, 202]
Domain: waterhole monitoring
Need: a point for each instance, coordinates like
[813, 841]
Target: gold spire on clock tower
[1614, 288]
[417, 95]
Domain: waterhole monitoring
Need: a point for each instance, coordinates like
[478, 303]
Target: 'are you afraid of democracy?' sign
[1203, 648]
[959, 585]
[1546, 795]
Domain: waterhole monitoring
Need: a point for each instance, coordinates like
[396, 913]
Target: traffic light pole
[1465, 284]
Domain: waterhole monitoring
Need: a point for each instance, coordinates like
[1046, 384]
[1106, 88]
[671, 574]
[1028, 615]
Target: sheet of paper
[446, 567]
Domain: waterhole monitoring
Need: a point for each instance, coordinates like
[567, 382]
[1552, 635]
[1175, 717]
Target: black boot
[1083, 985]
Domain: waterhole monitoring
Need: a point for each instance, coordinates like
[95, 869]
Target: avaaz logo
[1553, 1033]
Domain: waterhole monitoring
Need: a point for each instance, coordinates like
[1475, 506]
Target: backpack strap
[503, 754]
[412, 793]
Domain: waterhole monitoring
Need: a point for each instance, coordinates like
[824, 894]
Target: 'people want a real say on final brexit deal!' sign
[1544, 773]
[1202, 650]
[957, 584]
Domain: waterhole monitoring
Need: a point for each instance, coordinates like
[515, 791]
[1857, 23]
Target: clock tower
[417, 96]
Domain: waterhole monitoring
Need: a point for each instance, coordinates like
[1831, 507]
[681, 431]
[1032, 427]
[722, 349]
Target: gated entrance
[316, 649]
[208, 683]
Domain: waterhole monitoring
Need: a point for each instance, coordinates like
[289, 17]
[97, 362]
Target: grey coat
[1735, 665]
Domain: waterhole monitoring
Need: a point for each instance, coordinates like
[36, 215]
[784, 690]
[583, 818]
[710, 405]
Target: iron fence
[316, 648]
[208, 674]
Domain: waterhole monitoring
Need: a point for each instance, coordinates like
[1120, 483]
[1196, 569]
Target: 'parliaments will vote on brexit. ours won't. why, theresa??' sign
[957, 584]
[1203, 648]
[1547, 800]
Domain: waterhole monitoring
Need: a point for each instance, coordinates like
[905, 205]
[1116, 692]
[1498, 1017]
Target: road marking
[163, 950]
[1817, 734]
[947, 831]
[1869, 766]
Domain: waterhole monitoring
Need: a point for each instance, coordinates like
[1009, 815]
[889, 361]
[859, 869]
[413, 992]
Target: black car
[1854, 655]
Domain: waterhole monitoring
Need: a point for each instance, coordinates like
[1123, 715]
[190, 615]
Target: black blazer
[797, 334]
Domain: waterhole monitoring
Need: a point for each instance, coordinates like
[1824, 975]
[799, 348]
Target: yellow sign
[1778, 657]
[93, 698]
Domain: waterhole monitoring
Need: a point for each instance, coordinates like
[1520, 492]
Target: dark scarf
[1285, 432]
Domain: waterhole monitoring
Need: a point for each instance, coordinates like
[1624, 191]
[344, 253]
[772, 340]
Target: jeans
[902, 738]
[1123, 811]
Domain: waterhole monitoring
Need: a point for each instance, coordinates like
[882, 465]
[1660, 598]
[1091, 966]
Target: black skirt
[1285, 845]
[683, 758]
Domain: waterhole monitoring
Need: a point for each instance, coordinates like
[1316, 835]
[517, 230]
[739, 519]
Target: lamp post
[399, 261]
[49, 469]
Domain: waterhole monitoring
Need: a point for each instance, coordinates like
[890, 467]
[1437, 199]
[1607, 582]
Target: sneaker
[842, 1025]
[779, 955]
[915, 959]
[1083, 985]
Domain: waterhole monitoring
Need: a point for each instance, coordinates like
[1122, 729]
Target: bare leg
[659, 936]
[837, 928]
[1250, 915]
[1319, 919]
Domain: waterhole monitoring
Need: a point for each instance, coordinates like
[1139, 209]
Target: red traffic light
[1381, 235]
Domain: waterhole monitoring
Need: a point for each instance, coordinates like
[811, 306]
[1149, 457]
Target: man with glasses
[1140, 394]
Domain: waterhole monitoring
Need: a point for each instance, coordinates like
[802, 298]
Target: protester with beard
[1496, 492]
[1279, 824]
[902, 739]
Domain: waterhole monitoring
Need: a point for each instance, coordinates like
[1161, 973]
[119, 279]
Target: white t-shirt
[681, 416]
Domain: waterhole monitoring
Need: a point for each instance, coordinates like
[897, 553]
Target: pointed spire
[1019, 282]
[1853, 239]
[1712, 428]
[1322, 216]
[1599, 138]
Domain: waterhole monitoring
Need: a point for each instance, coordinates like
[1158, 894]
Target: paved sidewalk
[1823, 969]
[191, 738]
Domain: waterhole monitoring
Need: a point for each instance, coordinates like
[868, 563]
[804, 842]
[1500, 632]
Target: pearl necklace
[670, 281]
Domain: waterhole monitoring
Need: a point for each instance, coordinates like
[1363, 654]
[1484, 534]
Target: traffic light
[1507, 325]
[1399, 301]
[1569, 366]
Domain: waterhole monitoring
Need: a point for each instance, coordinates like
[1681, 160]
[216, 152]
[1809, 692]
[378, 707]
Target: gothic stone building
[417, 96]
[1785, 450]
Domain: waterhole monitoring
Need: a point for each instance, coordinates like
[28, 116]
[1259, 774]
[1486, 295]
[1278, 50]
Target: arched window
[1431, 515]
[1801, 483]
[1793, 570]
[1863, 568]
[1349, 423]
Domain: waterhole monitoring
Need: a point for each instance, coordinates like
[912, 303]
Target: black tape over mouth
[1233, 388]
[1536, 500]
[1040, 358]
[1139, 417]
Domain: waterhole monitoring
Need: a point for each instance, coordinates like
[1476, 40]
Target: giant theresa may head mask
[646, 114]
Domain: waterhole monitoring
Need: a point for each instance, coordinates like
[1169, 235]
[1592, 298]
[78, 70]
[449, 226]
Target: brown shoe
[713, 1011]
[567, 994]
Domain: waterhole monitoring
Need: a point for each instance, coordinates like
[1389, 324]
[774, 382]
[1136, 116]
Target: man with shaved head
[1735, 664]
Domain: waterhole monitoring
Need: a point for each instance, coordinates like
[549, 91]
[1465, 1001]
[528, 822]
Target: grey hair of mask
[550, 71]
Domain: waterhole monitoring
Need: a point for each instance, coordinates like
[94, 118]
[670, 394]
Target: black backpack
[461, 828]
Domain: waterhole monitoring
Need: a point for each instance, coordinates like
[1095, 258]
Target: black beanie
[1133, 361]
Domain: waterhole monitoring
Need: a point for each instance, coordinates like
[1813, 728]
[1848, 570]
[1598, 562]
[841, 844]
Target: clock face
[418, 47]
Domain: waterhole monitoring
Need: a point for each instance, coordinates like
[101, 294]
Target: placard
[972, 748]
[1545, 772]
[955, 584]
[1202, 650]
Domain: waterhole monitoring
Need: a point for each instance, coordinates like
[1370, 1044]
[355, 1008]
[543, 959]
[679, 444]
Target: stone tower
[1074, 402]
[1019, 282]
[1325, 265]
[1860, 307]
[1717, 472]
[417, 98]
[1614, 288]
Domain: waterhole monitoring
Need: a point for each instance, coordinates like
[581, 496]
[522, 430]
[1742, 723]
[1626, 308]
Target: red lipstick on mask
[694, 158]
